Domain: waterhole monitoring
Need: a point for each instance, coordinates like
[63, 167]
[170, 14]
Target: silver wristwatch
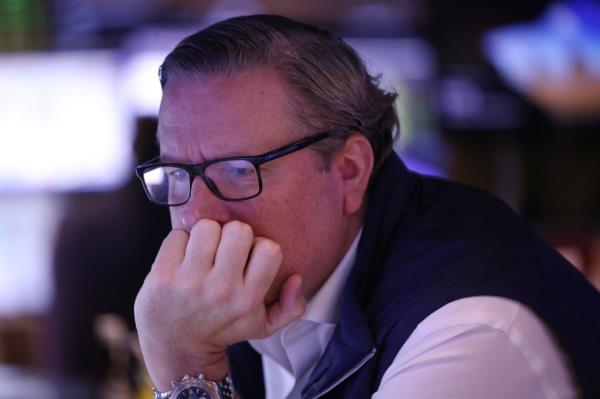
[198, 388]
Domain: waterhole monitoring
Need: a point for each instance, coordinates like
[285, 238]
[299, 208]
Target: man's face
[301, 205]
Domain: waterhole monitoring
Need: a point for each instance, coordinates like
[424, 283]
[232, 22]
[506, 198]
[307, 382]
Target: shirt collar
[320, 316]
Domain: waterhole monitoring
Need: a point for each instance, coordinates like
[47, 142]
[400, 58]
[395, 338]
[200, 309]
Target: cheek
[302, 217]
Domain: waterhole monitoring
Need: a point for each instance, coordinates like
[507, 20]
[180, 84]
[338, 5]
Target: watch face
[194, 393]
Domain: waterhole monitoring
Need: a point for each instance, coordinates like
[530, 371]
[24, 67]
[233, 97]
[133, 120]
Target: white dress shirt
[475, 347]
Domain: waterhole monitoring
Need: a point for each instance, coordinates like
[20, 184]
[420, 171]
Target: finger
[172, 251]
[233, 251]
[290, 306]
[202, 246]
[265, 260]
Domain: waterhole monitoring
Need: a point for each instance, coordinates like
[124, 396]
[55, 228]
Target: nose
[203, 204]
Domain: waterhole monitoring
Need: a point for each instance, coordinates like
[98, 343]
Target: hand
[206, 291]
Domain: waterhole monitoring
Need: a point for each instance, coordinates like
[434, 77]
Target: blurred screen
[27, 228]
[62, 126]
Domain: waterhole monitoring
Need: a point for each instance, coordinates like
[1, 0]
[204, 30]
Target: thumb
[290, 306]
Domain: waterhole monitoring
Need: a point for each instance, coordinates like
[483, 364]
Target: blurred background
[501, 95]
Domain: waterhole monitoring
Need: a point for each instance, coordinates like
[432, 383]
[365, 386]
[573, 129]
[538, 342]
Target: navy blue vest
[425, 243]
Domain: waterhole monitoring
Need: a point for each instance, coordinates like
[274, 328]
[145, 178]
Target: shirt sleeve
[479, 347]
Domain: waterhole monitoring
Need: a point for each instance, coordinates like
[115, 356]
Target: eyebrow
[166, 158]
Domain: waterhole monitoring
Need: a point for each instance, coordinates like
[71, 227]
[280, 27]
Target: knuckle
[155, 281]
[176, 234]
[246, 305]
[160, 266]
[219, 294]
[238, 228]
[206, 225]
[172, 237]
[268, 247]
[188, 287]
[154, 288]
[245, 308]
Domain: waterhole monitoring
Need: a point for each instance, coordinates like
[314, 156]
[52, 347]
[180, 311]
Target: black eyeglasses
[230, 179]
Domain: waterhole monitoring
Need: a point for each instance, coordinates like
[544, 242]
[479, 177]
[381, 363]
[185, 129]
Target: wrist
[199, 387]
[164, 367]
[212, 372]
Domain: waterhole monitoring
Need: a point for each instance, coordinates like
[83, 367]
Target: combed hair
[330, 87]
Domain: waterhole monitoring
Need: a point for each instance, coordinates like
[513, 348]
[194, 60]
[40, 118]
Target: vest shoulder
[451, 212]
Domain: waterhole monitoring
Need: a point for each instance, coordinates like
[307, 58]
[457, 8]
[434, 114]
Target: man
[306, 261]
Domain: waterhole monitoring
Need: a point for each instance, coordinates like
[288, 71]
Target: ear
[354, 163]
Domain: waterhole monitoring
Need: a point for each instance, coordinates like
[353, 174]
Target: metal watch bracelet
[224, 387]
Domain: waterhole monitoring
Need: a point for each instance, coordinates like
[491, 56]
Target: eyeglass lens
[233, 179]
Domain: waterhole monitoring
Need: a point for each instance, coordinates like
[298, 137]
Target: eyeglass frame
[195, 170]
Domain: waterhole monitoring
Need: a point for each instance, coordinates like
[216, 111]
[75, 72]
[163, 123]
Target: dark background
[538, 149]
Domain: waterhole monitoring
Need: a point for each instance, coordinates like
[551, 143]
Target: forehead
[223, 115]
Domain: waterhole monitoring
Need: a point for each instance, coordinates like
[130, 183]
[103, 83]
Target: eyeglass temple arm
[278, 153]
